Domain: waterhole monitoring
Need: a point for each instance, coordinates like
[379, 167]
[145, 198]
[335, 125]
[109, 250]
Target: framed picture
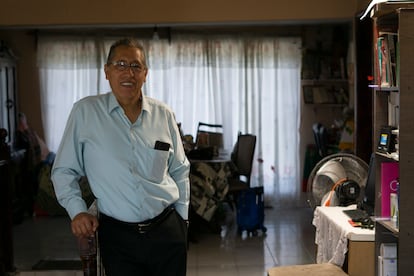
[308, 94]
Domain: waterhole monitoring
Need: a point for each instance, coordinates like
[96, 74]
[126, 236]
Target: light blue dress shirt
[131, 180]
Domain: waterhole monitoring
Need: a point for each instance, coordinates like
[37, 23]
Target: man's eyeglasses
[121, 65]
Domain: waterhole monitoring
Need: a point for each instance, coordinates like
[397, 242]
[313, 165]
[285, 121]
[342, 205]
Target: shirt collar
[113, 103]
[145, 104]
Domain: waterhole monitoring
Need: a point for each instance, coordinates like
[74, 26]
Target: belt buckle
[142, 227]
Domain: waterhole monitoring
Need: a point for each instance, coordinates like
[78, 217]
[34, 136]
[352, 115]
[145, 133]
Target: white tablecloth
[333, 231]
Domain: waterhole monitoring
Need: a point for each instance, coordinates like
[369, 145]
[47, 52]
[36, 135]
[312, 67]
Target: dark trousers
[160, 251]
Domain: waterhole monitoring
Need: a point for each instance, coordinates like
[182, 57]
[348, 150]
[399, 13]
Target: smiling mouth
[127, 84]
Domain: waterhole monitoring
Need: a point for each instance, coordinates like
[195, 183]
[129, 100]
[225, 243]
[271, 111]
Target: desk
[337, 239]
[209, 185]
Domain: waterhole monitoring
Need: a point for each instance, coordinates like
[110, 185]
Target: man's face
[126, 84]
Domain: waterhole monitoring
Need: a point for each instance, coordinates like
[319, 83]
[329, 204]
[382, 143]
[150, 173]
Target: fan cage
[356, 169]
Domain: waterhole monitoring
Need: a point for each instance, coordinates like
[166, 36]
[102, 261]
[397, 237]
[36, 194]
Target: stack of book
[387, 50]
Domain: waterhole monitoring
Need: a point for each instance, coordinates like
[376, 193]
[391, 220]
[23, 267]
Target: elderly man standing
[129, 147]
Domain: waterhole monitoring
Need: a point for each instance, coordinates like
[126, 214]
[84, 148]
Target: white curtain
[247, 83]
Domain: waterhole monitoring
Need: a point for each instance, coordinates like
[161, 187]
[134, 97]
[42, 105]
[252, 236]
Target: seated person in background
[27, 138]
[36, 153]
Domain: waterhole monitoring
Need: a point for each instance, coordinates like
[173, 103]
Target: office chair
[242, 158]
[321, 139]
[323, 143]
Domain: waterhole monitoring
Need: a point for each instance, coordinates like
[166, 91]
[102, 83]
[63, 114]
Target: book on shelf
[387, 59]
[379, 62]
[321, 95]
[377, 57]
[383, 61]
[394, 109]
[392, 40]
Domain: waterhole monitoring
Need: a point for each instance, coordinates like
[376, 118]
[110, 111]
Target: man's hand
[84, 225]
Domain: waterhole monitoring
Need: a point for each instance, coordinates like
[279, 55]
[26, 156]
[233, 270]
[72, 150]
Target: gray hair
[129, 42]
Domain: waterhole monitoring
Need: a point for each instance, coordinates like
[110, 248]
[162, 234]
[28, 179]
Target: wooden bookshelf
[325, 67]
[400, 20]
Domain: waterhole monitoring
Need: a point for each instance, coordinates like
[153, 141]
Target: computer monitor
[386, 141]
[368, 201]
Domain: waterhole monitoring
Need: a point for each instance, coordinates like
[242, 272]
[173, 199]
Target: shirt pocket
[157, 165]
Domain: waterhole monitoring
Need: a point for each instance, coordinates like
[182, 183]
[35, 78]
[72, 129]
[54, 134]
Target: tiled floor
[289, 240]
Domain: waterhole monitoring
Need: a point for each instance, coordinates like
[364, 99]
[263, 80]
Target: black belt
[142, 227]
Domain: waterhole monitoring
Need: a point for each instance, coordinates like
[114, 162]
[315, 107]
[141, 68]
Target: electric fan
[337, 180]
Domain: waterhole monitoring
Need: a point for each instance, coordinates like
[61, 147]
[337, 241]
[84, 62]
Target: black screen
[368, 203]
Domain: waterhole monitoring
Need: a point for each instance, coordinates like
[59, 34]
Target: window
[248, 84]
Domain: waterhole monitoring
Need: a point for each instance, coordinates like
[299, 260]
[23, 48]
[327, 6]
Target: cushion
[307, 270]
